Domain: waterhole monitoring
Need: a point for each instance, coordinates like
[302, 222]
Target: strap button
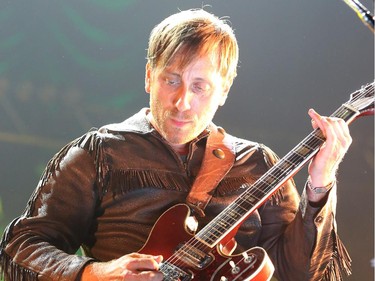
[219, 153]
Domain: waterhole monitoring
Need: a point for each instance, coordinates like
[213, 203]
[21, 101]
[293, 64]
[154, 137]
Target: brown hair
[195, 33]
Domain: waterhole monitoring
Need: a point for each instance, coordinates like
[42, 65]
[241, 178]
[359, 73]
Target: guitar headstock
[363, 100]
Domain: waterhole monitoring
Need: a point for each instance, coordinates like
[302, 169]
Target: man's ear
[147, 77]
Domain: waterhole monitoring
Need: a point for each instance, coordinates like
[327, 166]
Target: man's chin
[175, 140]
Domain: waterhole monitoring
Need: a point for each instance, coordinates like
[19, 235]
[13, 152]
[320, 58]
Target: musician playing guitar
[109, 189]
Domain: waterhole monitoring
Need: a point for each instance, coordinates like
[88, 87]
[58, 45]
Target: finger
[339, 129]
[328, 128]
[150, 275]
[143, 263]
[344, 131]
[316, 119]
[158, 258]
[338, 138]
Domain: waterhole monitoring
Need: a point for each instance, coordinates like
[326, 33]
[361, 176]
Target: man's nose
[183, 99]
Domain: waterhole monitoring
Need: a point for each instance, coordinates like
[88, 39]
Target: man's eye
[201, 87]
[172, 82]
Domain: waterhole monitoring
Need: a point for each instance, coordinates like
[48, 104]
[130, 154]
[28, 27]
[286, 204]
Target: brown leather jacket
[104, 191]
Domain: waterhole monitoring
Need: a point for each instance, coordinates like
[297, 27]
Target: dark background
[67, 66]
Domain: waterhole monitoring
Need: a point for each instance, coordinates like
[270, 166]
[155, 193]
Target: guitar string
[254, 190]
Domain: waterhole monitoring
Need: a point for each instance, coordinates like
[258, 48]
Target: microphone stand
[362, 12]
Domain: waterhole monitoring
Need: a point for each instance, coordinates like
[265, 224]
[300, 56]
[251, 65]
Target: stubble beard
[172, 134]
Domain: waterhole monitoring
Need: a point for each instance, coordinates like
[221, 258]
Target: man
[104, 191]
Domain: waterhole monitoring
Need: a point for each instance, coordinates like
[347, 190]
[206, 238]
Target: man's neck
[182, 149]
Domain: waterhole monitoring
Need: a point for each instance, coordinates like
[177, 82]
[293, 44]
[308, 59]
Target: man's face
[184, 101]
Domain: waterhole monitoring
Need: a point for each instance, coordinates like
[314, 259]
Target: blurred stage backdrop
[67, 66]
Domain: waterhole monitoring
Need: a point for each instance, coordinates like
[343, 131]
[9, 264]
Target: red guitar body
[170, 233]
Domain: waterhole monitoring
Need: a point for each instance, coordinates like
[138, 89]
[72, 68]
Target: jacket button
[221, 130]
[319, 219]
[219, 153]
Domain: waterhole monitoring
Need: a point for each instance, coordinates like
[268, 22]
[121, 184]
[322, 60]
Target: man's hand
[323, 167]
[137, 267]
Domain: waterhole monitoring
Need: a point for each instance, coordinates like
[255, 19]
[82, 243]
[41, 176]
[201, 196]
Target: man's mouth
[180, 122]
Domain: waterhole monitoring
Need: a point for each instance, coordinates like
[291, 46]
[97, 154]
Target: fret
[229, 218]
[233, 213]
[223, 222]
[288, 160]
[211, 237]
[297, 158]
[256, 188]
[285, 165]
[247, 200]
[220, 228]
[270, 179]
[303, 150]
[276, 170]
[344, 112]
[279, 173]
[308, 146]
[318, 137]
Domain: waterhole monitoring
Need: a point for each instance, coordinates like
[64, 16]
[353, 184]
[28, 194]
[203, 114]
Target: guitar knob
[223, 278]
[246, 257]
[235, 268]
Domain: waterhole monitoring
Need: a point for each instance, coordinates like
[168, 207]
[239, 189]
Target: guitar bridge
[174, 273]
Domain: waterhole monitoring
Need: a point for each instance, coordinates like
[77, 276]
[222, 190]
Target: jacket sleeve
[300, 238]
[41, 244]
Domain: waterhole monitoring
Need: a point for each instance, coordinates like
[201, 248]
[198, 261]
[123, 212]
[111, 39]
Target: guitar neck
[270, 182]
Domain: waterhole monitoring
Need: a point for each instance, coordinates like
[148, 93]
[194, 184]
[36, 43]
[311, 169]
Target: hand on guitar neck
[323, 167]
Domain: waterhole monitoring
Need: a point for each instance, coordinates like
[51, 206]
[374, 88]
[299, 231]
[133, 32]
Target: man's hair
[194, 33]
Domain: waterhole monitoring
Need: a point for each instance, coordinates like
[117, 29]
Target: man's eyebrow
[200, 79]
[173, 73]
[178, 75]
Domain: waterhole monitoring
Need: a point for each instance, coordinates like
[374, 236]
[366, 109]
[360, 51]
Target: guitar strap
[218, 159]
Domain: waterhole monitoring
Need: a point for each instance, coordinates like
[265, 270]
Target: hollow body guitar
[205, 255]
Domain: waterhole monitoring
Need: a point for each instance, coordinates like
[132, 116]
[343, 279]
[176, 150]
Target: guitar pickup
[193, 257]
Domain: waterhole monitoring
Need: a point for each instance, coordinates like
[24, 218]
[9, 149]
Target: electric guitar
[206, 255]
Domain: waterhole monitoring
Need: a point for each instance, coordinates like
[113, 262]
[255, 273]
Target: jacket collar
[137, 123]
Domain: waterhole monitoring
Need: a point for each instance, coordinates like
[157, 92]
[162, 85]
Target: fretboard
[270, 182]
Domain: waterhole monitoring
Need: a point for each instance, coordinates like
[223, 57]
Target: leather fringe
[229, 185]
[339, 264]
[334, 260]
[91, 142]
[122, 181]
[12, 271]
